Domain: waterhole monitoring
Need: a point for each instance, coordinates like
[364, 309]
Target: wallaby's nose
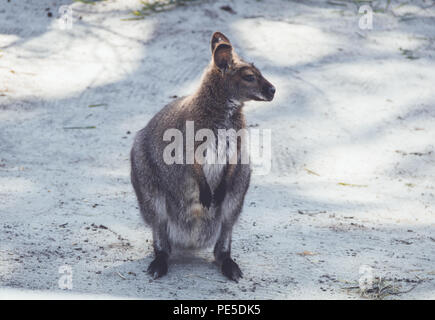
[270, 92]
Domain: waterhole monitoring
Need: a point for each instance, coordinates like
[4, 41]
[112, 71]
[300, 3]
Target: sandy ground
[353, 168]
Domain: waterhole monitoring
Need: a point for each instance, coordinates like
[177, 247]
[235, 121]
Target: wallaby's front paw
[205, 197]
[231, 270]
[158, 267]
[219, 194]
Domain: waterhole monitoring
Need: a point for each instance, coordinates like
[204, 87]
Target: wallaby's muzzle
[267, 90]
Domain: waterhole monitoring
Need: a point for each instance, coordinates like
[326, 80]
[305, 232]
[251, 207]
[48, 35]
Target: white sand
[350, 108]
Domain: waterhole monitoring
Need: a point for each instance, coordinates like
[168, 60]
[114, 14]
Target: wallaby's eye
[249, 77]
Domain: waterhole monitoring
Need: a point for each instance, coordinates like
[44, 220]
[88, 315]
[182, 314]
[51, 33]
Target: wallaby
[194, 205]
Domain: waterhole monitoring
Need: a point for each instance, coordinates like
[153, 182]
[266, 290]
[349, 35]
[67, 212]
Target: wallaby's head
[242, 80]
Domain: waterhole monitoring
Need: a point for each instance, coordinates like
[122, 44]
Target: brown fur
[177, 200]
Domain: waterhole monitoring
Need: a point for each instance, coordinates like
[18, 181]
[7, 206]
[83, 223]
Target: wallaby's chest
[218, 154]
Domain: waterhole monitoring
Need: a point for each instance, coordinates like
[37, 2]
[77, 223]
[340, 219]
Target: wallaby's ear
[216, 38]
[223, 56]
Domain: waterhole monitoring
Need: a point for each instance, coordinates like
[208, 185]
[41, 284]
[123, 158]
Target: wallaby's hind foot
[159, 266]
[231, 270]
